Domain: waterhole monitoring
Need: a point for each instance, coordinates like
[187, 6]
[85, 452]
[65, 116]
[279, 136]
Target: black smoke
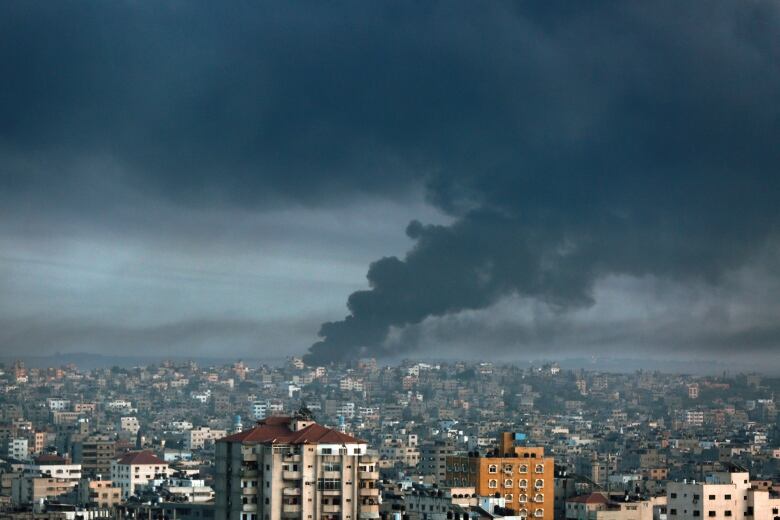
[645, 146]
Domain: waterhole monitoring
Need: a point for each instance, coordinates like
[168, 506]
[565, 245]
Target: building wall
[525, 480]
[307, 482]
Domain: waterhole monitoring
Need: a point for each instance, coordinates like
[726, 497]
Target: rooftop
[277, 430]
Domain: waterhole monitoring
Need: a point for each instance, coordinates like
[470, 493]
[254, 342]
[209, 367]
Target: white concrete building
[129, 424]
[197, 438]
[137, 468]
[292, 468]
[18, 449]
[722, 496]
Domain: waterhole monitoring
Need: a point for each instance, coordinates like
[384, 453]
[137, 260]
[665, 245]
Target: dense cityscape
[417, 441]
[389, 260]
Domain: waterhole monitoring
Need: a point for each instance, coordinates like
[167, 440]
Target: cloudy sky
[438, 179]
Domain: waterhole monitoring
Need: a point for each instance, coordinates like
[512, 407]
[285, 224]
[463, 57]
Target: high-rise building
[520, 474]
[95, 454]
[294, 468]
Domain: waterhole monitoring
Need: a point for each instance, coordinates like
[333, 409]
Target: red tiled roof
[276, 430]
[139, 457]
[49, 459]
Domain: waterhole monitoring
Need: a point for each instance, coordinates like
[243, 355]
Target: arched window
[540, 468]
[539, 497]
[492, 468]
[508, 497]
[523, 498]
[523, 513]
[493, 483]
[523, 483]
[507, 468]
[523, 468]
[539, 512]
[539, 483]
[508, 483]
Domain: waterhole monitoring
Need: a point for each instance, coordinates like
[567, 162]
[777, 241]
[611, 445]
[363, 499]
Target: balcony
[368, 475]
[331, 508]
[249, 491]
[331, 474]
[369, 515]
[291, 457]
[291, 508]
[369, 492]
[248, 473]
[290, 491]
[291, 475]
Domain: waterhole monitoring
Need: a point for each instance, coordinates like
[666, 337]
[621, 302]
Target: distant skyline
[508, 180]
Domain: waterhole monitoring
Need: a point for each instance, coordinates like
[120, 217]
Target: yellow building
[520, 474]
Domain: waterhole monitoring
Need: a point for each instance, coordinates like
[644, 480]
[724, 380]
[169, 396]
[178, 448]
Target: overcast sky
[512, 179]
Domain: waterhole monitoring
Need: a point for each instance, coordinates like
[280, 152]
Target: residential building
[294, 468]
[137, 468]
[522, 475]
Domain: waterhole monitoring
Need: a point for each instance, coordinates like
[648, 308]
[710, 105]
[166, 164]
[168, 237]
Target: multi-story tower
[293, 468]
[520, 474]
[95, 454]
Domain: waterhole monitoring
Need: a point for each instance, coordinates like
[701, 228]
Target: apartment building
[100, 492]
[522, 475]
[433, 459]
[48, 477]
[95, 454]
[137, 468]
[196, 438]
[294, 468]
[722, 496]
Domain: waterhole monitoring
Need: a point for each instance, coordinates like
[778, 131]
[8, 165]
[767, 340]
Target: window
[539, 468]
[492, 483]
[696, 497]
[523, 468]
[523, 513]
[673, 512]
[508, 483]
[492, 468]
[696, 512]
[523, 483]
[539, 512]
[673, 495]
[539, 483]
[711, 497]
[327, 451]
[539, 497]
[508, 497]
[328, 484]
[727, 512]
[727, 497]
[711, 513]
[507, 468]
[523, 498]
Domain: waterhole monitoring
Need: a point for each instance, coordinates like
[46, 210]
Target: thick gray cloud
[569, 142]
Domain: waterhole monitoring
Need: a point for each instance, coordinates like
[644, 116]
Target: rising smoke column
[616, 140]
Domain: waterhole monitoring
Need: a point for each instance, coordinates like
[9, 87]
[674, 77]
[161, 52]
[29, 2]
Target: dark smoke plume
[644, 151]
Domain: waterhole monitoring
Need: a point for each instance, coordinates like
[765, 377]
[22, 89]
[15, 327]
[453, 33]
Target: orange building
[520, 474]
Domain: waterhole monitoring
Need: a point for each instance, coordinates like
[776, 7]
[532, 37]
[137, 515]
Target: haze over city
[439, 180]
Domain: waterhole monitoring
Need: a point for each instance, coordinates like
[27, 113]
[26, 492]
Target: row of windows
[538, 513]
[522, 468]
[711, 514]
[523, 483]
[539, 498]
